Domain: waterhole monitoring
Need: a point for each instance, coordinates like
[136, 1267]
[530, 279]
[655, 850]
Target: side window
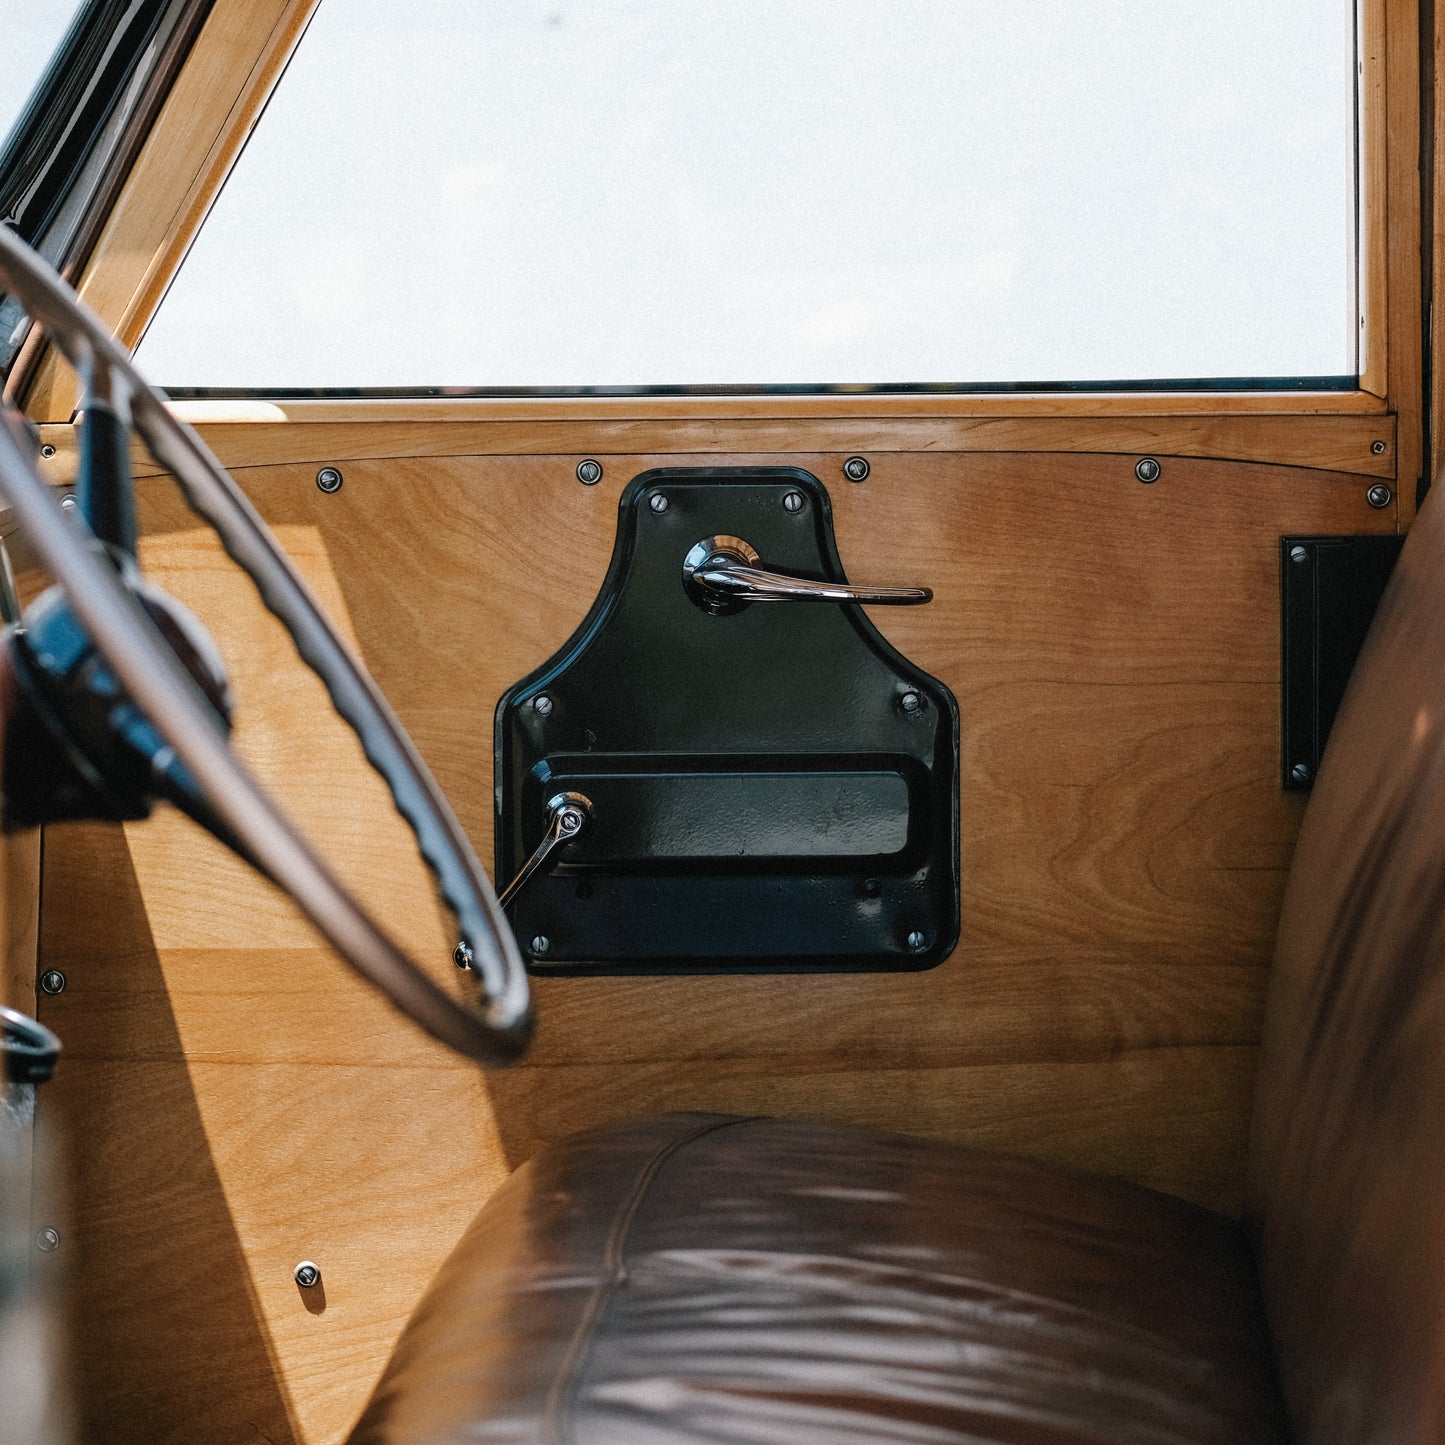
[640, 194]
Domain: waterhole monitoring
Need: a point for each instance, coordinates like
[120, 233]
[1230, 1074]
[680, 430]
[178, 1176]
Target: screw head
[1299, 554]
[870, 888]
[917, 941]
[541, 944]
[306, 1275]
[52, 981]
[1300, 772]
[462, 954]
[570, 821]
[589, 472]
[1379, 496]
[68, 502]
[856, 469]
[1378, 448]
[47, 451]
[542, 705]
[657, 502]
[793, 502]
[1147, 470]
[48, 1240]
[910, 702]
[328, 479]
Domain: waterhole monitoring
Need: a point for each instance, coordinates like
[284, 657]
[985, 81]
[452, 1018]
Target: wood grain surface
[1360, 445]
[239, 1102]
[1403, 244]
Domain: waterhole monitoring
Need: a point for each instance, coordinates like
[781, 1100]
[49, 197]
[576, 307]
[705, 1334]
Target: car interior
[721, 723]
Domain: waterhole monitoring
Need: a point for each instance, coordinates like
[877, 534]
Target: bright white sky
[644, 192]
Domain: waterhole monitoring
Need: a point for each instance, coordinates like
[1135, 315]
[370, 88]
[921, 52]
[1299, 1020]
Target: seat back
[1347, 1158]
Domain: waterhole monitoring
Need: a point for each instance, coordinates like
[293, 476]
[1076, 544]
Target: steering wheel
[174, 717]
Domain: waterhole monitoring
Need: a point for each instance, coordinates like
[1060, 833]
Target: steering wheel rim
[497, 1030]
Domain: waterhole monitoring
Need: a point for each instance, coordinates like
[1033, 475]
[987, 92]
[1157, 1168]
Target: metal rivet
[541, 944]
[68, 502]
[1379, 496]
[1299, 554]
[1147, 469]
[657, 502]
[910, 702]
[542, 705]
[589, 472]
[52, 981]
[462, 954]
[1300, 772]
[917, 941]
[48, 1240]
[870, 888]
[856, 469]
[307, 1275]
[328, 479]
[47, 451]
[793, 502]
[1378, 448]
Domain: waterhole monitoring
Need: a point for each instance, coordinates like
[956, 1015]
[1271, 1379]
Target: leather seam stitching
[557, 1413]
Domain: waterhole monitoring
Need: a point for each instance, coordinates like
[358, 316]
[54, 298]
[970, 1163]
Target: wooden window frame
[243, 50]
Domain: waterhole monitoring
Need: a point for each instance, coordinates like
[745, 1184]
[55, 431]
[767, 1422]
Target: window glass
[656, 193]
[32, 30]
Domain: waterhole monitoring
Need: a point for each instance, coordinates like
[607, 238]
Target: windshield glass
[33, 30]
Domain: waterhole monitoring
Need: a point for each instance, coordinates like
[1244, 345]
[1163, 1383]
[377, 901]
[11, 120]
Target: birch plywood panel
[1114, 651]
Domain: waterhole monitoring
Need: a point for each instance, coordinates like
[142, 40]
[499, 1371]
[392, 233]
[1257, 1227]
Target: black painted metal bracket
[1330, 588]
[774, 787]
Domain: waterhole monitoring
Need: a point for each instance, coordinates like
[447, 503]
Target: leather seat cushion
[702, 1277]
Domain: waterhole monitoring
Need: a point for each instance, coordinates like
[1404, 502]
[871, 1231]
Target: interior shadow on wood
[152, 1262]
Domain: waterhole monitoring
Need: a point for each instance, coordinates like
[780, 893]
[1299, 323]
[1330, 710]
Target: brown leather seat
[698, 1278]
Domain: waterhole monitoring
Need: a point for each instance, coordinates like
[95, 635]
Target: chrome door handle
[567, 815]
[721, 574]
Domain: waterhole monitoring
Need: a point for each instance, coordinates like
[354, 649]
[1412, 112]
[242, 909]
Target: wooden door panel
[1114, 648]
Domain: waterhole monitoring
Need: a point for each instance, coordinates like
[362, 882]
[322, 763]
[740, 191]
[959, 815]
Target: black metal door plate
[774, 787]
[1330, 588]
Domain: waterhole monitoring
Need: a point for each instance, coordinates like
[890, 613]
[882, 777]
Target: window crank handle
[567, 815]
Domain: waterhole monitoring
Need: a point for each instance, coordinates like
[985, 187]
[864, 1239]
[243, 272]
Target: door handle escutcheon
[721, 574]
